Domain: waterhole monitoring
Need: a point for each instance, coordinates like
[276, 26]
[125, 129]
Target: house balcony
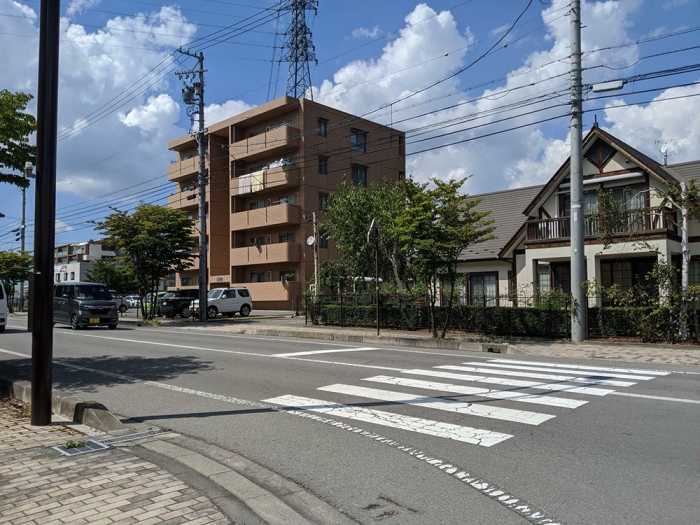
[284, 252]
[272, 178]
[642, 222]
[183, 169]
[269, 216]
[265, 144]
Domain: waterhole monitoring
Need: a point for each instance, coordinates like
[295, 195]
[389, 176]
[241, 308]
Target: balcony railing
[275, 215]
[183, 168]
[266, 143]
[632, 223]
[285, 252]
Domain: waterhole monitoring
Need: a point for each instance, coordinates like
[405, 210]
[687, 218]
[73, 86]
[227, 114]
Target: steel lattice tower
[298, 48]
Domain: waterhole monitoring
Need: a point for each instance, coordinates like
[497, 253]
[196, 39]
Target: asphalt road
[373, 434]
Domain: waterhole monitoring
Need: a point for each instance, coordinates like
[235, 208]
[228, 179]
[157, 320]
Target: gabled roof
[504, 206]
[648, 164]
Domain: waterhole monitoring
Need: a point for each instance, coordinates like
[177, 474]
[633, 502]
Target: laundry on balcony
[257, 180]
[244, 184]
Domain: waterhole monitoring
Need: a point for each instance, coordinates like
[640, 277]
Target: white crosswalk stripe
[479, 392]
[476, 436]
[493, 412]
[574, 379]
[582, 367]
[585, 373]
[537, 385]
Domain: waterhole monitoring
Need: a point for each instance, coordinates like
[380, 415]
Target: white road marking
[582, 367]
[593, 391]
[13, 353]
[476, 436]
[334, 351]
[537, 376]
[480, 392]
[674, 399]
[571, 370]
[488, 411]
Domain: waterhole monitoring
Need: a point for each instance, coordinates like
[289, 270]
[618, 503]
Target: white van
[227, 301]
[3, 308]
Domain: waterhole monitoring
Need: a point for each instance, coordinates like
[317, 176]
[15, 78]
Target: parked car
[84, 304]
[3, 308]
[132, 300]
[227, 301]
[122, 304]
[178, 303]
[147, 303]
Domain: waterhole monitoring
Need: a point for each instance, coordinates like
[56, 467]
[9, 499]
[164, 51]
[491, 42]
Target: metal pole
[376, 276]
[21, 245]
[316, 241]
[45, 213]
[579, 320]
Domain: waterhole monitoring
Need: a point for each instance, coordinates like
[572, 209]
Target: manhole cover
[89, 446]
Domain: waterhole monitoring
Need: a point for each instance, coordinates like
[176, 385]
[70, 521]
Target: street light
[28, 174]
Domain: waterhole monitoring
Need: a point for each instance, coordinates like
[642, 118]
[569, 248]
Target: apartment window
[359, 176]
[358, 141]
[72, 276]
[65, 276]
[323, 165]
[287, 199]
[288, 275]
[322, 127]
[323, 240]
[57, 278]
[257, 277]
[257, 205]
[322, 202]
[257, 241]
[287, 237]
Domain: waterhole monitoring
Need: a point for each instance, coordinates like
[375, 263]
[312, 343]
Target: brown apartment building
[270, 169]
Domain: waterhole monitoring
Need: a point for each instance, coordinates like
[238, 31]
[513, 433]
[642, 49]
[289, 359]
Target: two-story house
[269, 170]
[531, 252]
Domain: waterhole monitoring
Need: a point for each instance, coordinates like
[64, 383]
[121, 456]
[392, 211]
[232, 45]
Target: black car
[178, 302]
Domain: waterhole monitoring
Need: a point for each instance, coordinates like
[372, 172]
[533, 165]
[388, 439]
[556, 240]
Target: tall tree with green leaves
[114, 274]
[155, 240]
[15, 128]
[436, 225]
[15, 267]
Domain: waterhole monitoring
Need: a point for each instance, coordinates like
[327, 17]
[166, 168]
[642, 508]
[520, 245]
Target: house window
[72, 276]
[257, 205]
[322, 127]
[561, 274]
[323, 165]
[359, 176]
[483, 288]
[628, 273]
[257, 241]
[358, 141]
[544, 281]
[288, 275]
[694, 272]
[322, 202]
[323, 240]
[57, 278]
[287, 237]
[257, 277]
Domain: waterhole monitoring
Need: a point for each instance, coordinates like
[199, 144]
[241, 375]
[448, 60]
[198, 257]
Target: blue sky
[116, 118]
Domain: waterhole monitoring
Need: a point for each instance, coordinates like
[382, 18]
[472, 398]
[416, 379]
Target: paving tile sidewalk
[39, 486]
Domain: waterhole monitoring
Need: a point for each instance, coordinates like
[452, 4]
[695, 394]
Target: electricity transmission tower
[298, 48]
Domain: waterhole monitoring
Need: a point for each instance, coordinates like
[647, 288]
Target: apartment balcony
[643, 222]
[265, 144]
[272, 178]
[180, 200]
[269, 216]
[183, 169]
[284, 252]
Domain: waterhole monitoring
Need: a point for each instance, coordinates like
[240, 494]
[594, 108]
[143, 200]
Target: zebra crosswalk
[551, 377]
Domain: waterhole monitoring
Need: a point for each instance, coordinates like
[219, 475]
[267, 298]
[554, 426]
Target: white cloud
[217, 112]
[63, 227]
[363, 32]
[158, 113]
[77, 6]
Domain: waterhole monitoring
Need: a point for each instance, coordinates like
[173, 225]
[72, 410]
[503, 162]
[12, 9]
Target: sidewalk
[164, 479]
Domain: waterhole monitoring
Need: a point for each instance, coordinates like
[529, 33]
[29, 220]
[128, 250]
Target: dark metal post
[45, 214]
[376, 275]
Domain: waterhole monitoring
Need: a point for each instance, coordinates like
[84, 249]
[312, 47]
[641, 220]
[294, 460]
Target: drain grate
[132, 437]
[90, 446]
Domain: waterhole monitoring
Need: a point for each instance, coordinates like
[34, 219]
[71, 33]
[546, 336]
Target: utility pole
[45, 212]
[579, 314]
[28, 174]
[189, 93]
[316, 241]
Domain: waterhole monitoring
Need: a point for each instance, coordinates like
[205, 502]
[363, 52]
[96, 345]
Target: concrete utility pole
[189, 93]
[579, 314]
[45, 212]
[28, 174]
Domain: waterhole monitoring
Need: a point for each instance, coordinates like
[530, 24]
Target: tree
[15, 267]
[15, 129]
[113, 273]
[156, 241]
[435, 226]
